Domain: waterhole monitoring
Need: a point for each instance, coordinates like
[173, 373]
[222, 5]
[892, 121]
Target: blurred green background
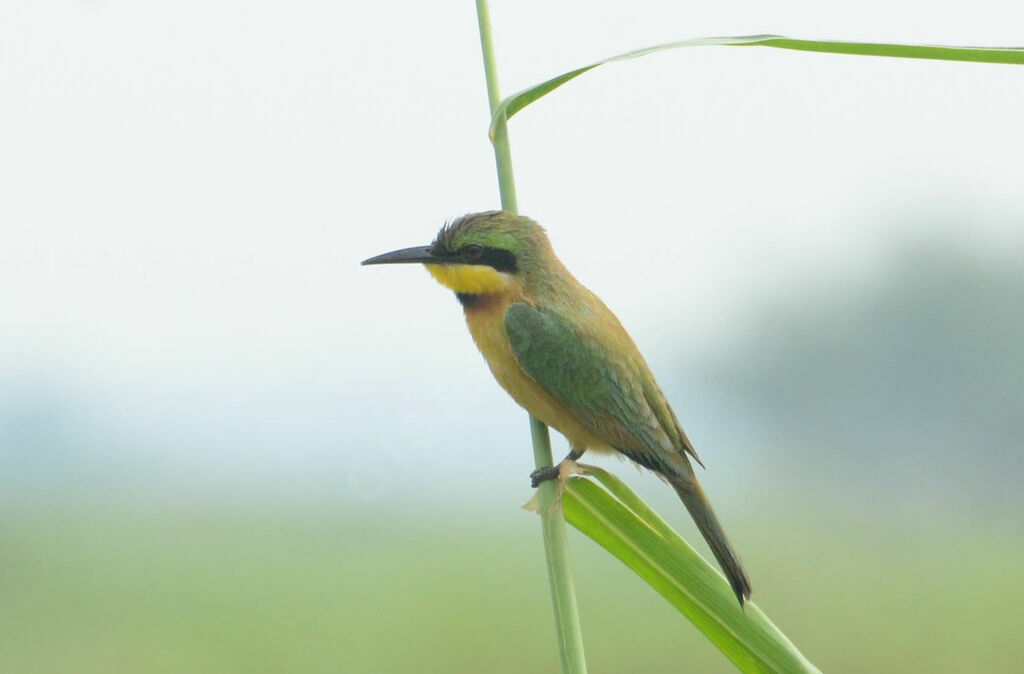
[225, 447]
[882, 525]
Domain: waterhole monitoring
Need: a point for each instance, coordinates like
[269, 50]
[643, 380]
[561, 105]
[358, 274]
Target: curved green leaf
[619, 521]
[1012, 55]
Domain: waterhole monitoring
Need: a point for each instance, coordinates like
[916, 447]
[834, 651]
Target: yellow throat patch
[474, 279]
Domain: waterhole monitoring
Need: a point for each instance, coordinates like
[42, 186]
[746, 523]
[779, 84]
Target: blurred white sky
[186, 189]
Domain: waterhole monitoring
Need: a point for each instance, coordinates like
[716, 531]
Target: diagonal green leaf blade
[1009, 55]
[619, 521]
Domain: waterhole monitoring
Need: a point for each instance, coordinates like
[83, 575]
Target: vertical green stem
[556, 544]
[563, 594]
[502, 151]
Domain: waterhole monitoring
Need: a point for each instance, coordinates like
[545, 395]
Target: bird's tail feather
[700, 510]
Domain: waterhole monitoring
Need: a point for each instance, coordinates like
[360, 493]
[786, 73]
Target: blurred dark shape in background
[908, 388]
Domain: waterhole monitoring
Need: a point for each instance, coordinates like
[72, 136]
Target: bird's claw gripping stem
[543, 475]
[561, 471]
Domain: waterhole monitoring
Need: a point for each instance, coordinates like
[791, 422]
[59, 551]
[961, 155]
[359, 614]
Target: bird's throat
[477, 303]
[469, 300]
[470, 279]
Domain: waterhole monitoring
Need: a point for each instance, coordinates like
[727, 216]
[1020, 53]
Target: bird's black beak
[406, 256]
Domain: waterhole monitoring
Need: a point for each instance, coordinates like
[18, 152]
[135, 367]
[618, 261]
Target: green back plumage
[610, 392]
[613, 394]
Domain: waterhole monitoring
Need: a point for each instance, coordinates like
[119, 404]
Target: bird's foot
[543, 475]
[565, 469]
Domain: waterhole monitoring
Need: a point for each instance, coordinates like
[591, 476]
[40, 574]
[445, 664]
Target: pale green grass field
[220, 589]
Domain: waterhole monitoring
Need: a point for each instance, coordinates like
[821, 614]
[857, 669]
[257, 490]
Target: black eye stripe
[500, 259]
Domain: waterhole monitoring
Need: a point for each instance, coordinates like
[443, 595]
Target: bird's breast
[485, 317]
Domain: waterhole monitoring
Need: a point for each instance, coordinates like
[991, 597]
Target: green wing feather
[613, 395]
[610, 390]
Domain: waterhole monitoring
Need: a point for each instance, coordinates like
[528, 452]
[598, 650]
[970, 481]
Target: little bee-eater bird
[564, 356]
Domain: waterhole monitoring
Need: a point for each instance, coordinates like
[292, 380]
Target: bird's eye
[472, 252]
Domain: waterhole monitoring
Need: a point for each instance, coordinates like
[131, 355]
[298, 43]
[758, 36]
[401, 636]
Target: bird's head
[480, 254]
